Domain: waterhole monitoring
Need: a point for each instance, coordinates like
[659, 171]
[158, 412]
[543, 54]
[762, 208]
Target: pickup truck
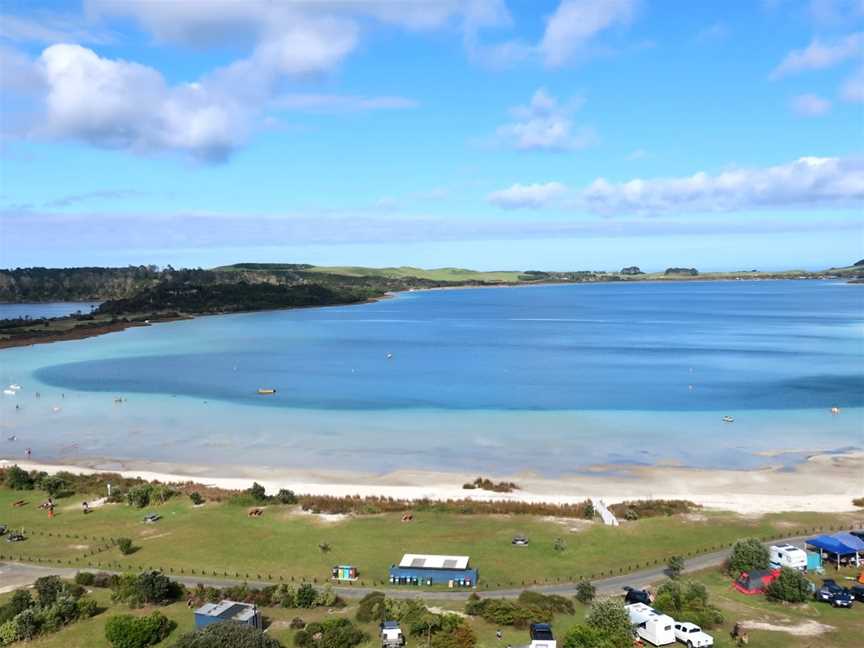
[692, 635]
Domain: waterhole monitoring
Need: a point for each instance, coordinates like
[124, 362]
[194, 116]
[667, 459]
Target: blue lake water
[45, 309]
[479, 379]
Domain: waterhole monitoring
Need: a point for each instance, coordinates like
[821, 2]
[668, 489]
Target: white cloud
[810, 105]
[48, 28]
[853, 87]
[545, 125]
[576, 22]
[637, 154]
[519, 196]
[808, 182]
[819, 55]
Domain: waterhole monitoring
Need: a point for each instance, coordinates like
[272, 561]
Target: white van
[651, 625]
[788, 556]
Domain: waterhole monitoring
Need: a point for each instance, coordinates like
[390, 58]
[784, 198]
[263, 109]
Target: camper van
[651, 625]
[788, 556]
[541, 636]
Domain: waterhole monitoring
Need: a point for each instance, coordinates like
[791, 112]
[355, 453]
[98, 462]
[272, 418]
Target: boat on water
[266, 391]
[728, 419]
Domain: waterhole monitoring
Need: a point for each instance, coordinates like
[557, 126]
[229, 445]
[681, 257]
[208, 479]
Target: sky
[490, 134]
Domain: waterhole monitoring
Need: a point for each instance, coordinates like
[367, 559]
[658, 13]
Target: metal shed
[230, 611]
[427, 569]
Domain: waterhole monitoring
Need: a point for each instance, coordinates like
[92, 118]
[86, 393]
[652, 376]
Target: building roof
[426, 561]
[228, 610]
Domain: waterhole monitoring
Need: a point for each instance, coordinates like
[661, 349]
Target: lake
[492, 380]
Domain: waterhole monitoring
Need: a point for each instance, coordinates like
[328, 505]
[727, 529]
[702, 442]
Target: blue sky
[560, 134]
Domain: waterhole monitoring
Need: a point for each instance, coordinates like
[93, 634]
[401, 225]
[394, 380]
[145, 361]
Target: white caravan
[651, 625]
[788, 556]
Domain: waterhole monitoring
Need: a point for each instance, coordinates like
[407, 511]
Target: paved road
[13, 575]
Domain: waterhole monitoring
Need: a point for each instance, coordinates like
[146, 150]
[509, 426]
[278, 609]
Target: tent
[840, 545]
[756, 581]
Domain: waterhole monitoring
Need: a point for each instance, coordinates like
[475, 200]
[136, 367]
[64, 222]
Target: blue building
[232, 611]
[423, 569]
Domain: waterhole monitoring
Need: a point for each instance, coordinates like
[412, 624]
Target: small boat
[266, 391]
[835, 410]
[389, 356]
[728, 419]
[15, 387]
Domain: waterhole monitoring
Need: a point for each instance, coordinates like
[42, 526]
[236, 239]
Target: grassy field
[284, 542]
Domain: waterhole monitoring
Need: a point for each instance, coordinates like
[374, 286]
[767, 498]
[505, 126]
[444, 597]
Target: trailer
[651, 625]
[787, 555]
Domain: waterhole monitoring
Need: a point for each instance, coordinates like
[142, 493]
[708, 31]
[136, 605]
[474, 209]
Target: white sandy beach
[824, 483]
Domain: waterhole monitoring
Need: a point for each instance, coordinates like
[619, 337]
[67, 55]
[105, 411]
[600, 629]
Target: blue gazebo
[839, 546]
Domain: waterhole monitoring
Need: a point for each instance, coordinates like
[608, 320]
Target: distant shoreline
[84, 332]
[824, 482]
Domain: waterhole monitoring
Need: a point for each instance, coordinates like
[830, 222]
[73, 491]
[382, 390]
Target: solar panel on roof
[418, 562]
[450, 563]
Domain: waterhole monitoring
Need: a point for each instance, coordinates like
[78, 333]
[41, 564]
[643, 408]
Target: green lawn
[221, 538]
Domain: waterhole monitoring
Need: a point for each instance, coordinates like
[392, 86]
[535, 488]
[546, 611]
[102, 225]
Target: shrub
[609, 618]
[8, 633]
[125, 546]
[26, 624]
[85, 578]
[372, 608]
[139, 496]
[635, 509]
[552, 603]
[196, 498]
[748, 554]
[151, 587]
[589, 512]
[286, 496]
[297, 623]
[53, 485]
[506, 612]
[20, 601]
[228, 635]
[332, 633]
[127, 631]
[631, 515]
[687, 601]
[104, 579]
[306, 596]
[585, 592]
[583, 636]
[48, 588]
[87, 608]
[790, 586]
[258, 493]
[675, 566]
[858, 501]
[18, 479]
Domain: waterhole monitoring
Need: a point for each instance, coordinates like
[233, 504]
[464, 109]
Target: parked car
[15, 537]
[843, 598]
[692, 635]
[150, 518]
[828, 590]
[857, 592]
[636, 596]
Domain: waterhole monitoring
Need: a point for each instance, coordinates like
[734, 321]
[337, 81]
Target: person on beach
[28, 453]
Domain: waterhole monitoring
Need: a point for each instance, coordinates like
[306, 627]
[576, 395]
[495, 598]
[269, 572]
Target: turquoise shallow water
[549, 377]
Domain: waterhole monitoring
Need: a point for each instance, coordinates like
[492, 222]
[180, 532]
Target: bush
[609, 618]
[583, 636]
[53, 485]
[372, 608]
[153, 588]
[306, 596]
[196, 498]
[506, 612]
[8, 633]
[227, 635]
[589, 511]
[87, 608]
[26, 624]
[585, 592]
[127, 631]
[139, 496]
[675, 566]
[552, 603]
[104, 579]
[286, 496]
[20, 601]
[125, 546]
[297, 623]
[258, 493]
[790, 586]
[858, 501]
[49, 589]
[747, 554]
[18, 479]
[85, 578]
[687, 601]
[332, 633]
